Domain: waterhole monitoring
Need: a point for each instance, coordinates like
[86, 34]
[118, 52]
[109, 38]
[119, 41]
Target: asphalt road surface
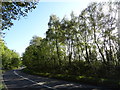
[17, 80]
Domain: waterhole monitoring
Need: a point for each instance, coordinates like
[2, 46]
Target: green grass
[2, 86]
[79, 79]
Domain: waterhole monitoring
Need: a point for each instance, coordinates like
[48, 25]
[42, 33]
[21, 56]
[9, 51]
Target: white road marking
[33, 81]
[4, 83]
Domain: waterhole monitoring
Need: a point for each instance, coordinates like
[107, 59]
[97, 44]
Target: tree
[82, 45]
[13, 11]
[35, 40]
[10, 59]
[54, 29]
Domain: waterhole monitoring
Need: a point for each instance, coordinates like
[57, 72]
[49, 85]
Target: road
[15, 80]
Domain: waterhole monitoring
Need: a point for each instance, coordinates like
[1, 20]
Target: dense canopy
[87, 45]
[10, 59]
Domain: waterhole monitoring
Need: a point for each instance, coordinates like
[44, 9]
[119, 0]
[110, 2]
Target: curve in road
[15, 79]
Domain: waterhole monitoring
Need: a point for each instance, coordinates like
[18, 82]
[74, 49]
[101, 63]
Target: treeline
[87, 45]
[8, 58]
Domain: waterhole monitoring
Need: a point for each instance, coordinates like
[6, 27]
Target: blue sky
[19, 36]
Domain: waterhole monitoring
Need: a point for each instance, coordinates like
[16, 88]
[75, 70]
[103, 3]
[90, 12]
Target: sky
[36, 23]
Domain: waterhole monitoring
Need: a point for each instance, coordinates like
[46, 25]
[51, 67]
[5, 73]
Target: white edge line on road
[32, 80]
[4, 83]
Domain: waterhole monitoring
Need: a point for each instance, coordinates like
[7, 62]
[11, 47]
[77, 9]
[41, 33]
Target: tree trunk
[119, 33]
[58, 54]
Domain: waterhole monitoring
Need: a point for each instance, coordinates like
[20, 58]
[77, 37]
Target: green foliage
[10, 59]
[14, 10]
[83, 45]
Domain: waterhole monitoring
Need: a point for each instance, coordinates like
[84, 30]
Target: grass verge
[102, 82]
[2, 85]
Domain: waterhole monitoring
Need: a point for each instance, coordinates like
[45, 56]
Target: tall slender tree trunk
[119, 32]
[69, 53]
[100, 51]
[78, 48]
[86, 48]
[58, 54]
[87, 55]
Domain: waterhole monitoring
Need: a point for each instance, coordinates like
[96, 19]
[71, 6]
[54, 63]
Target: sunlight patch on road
[63, 85]
[41, 83]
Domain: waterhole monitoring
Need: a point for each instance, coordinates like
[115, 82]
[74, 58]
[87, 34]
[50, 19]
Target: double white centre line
[33, 81]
